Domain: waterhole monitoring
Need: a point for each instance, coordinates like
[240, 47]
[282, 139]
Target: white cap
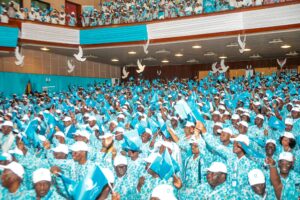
[92, 118]
[83, 133]
[8, 123]
[242, 138]
[227, 130]
[59, 133]
[256, 176]
[42, 138]
[246, 114]
[25, 117]
[41, 174]
[271, 141]
[256, 103]
[296, 109]
[61, 148]
[173, 117]
[217, 167]
[235, 116]
[79, 146]
[120, 130]
[260, 116]
[222, 107]
[58, 111]
[114, 122]
[289, 121]
[108, 174]
[244, 123]
[216, 113]
[289, 135]
[106, 135]
[16, 168]
[66, 119]
[219, 124]
[120, 160]
[122, 116]
[163, 192]
[189, 124]
[147, 130]
[288, 156]
[87, 115]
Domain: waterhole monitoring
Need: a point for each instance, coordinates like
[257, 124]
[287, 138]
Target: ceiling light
[165, 61]
[210, 53]
[255, 56]
[286, 46]
[232, 45]
[131, 52]
[162, 51]
[192, 61]
[115, 60]
[223, 57]
[292, 53]
[149, 59]
[196, 47]
[45, 49]
[275, 41]
[178, 54]
[247, 49]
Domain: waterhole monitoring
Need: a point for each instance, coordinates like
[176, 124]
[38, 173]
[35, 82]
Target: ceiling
[258, 43]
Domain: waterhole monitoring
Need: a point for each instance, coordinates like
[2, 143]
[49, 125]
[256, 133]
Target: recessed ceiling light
[286, 46]
[196, 47]
[192, 61]
[115, 60]
[247, 49]
[223, 57]
[162, 51]
[45, 49]
[210, 53]
[232, 45]
[292, 53]
[149, 59]
[165, 61]
[131, 52]
[255, 56]
[275, 41]
[178, 54]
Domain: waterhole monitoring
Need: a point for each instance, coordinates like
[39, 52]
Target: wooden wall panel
[202, 74]
[38, 62]
[265, 70]
[236, 73]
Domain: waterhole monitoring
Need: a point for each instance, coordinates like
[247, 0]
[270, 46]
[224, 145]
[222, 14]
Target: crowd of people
[213, 138]
[119, 11]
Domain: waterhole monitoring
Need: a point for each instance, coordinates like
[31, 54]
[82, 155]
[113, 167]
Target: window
[40, 4]
[17, 3]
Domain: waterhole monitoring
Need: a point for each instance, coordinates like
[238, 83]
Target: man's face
[270, 149]
[146, 137]
[258, 121]
[6, 129]
[121, 170]
[224, 137]
[78, 155]
[92, 123]
[242, 129]
[60, 139]
[67, 123]
[213, 178]
[8, 178]
[285, 166]
[237, 148]
[288, 127]
[42, 188]
[195, 148]
[59, 155]
[259, 188]
[106, 142]
[174, 122]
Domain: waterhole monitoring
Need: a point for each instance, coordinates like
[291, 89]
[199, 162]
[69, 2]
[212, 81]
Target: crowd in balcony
[126, 11]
